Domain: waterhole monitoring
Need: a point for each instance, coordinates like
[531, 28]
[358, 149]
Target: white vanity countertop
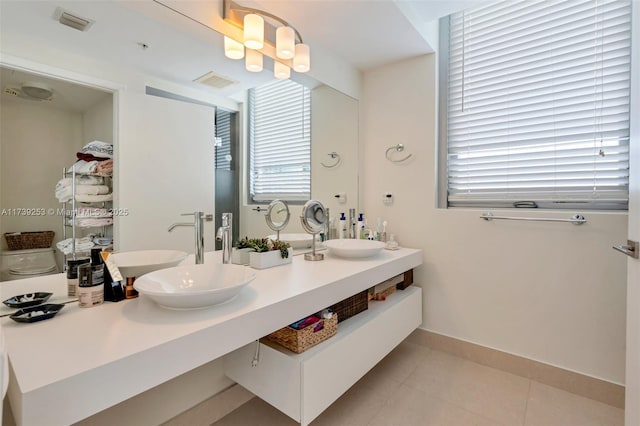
[87, 359]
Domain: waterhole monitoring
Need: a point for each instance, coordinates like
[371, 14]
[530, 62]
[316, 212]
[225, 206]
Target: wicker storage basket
[351, 306]
[29, 240]
[299, 341]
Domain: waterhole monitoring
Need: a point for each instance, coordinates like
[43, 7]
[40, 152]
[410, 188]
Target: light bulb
[302, 59]
[253, 61]
[253, 31]
[233, 49]
[285, 42]
[281, 71]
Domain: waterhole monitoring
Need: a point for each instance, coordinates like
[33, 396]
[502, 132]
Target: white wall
[550, 292]
[334, 127]
[165, 167]
[45, 139]
[97, 122]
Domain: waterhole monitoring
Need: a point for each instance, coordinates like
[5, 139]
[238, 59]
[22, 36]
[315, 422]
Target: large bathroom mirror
[334, 118]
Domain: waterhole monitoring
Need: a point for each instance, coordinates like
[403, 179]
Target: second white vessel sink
[297, 241]
[194, 286]
[354, 248]
[140, 262]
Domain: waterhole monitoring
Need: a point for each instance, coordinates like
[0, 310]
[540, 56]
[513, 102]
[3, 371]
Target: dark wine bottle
[113, 289]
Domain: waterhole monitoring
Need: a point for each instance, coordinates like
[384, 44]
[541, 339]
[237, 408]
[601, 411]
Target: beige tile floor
[416, 386]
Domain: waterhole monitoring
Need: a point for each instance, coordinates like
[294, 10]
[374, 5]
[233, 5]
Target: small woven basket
[351, 305]
[299, 341]
[29, 240]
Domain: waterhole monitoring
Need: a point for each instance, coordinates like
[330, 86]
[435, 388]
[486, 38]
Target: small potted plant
[269, 253]
[240, 253]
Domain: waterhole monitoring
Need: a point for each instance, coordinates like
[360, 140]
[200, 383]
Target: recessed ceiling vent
[72, 20]
[214, 80]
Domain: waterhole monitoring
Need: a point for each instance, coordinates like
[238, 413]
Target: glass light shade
[253, 61]
[302, 58]
[233, 49]
[281, 71]
[285, 42]
[253, 31]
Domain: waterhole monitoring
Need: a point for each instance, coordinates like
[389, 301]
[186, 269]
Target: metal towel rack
[334, 155]
[576, 219]
[396, 148]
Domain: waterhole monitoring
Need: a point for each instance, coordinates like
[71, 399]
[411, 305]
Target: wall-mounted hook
[336, 157]
[398, 148]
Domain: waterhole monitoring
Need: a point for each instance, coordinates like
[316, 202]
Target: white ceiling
[364, 33]
[65, 95]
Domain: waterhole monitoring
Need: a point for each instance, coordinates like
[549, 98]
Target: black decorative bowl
[37, 313]
[29, 299]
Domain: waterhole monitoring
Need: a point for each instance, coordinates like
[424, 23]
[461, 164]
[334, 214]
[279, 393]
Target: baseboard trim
[212, 409]
[579, 384]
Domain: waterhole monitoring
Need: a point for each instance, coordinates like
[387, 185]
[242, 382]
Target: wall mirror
[334, 115]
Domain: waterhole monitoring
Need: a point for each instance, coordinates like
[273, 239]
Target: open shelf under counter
[303, 385]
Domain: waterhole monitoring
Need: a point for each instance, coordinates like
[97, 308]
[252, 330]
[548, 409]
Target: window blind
[223, 133]
[538, 104]
[280, 142]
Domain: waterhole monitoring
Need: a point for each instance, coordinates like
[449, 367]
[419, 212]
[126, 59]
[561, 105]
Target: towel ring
[335, 156]
[397, 148]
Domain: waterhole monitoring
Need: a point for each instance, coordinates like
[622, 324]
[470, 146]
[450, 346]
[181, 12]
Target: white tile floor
[416, 386]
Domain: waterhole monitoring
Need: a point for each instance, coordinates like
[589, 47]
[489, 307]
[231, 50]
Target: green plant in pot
[262, 245]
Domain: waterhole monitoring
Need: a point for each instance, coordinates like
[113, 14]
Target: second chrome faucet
[224, 234]
[198, 224]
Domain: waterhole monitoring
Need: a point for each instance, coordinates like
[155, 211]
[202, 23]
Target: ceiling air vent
[72, 20]
[12, 91]
[214, 80]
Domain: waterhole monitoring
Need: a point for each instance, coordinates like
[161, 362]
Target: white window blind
[538, 104]
[280, 142]
[223, 133]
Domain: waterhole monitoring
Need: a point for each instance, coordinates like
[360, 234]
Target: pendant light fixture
[253, 60]
[302, 58]
[233, 49]
[254, 31]
[285, 42]
[285, 46]
[281, 71]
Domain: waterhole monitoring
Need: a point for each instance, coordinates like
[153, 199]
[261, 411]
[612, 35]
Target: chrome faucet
[224, 234]
[352, 224]
[198, 225]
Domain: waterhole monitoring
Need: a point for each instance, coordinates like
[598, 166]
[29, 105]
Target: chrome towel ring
[336, 157]
[397, 148]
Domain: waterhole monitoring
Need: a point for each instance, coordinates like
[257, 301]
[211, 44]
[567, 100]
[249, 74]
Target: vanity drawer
[303, 385]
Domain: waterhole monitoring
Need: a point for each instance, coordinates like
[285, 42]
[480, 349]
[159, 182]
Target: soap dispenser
[360, 230]
[343, 226]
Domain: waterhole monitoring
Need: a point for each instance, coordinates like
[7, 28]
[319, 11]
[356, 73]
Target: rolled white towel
[82, 180]
[88, 198]
[90, 222]
[82, 244]
[98, 149]
[84, 167]
[63, 195]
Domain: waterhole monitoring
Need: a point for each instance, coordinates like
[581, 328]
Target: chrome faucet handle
[199, 215]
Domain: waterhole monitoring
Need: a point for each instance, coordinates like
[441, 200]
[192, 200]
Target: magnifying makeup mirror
[313, 218]
[277, 216]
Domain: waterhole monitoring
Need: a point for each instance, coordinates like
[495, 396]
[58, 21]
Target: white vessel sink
[354, 248]
[194, 286]
[140, 262]
[297, 241]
